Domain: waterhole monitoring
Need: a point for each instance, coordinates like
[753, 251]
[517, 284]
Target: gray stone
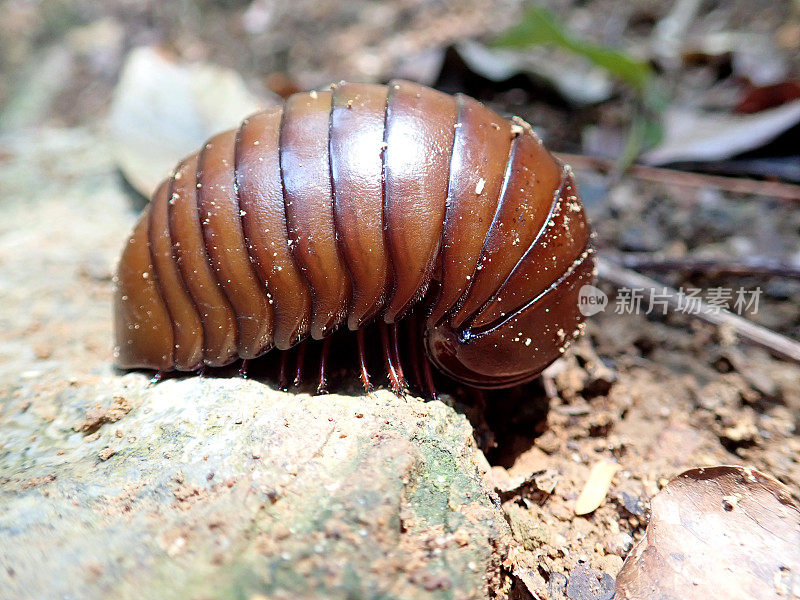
[200, 487]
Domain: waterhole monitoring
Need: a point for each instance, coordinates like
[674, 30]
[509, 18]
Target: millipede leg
[283, 378]
[413, 343]
[394, 380]
[396, 351]
[243, 368]
[430, 388]
[322, 386]
[156, 378]
[483, 433]
[427, 373]
[362, 360]
[301, 355]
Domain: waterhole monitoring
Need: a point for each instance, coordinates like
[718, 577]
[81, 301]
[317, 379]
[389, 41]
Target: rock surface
[200, 488]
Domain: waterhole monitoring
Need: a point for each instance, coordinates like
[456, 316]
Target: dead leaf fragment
[576, 80]
[596, 488]
[692, 135]
[164, 110]
[718, 532]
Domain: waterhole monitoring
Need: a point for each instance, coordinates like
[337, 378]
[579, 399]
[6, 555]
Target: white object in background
[691, 135]
[164, 110]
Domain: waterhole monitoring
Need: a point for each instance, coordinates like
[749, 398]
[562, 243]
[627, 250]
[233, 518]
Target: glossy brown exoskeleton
[358, 204]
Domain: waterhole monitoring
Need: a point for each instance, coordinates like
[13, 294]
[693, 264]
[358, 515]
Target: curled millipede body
[356, 205]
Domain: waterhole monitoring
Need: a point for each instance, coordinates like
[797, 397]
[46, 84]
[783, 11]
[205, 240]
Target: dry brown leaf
[719, 532]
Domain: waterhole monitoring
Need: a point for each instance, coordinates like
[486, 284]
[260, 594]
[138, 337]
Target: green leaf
[539, 26]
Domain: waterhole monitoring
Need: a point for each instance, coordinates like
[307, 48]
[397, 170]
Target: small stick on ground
[744, 266]
[775, 189]
[776, 343]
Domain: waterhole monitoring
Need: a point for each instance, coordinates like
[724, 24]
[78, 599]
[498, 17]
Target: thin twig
[775, 189]
[744, 266]
[776, 343]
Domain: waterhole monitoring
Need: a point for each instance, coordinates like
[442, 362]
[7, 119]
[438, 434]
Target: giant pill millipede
[449, 231]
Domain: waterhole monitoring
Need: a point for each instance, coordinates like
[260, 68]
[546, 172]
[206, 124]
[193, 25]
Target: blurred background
[680, 117]
[584, 72]
[60, 60]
